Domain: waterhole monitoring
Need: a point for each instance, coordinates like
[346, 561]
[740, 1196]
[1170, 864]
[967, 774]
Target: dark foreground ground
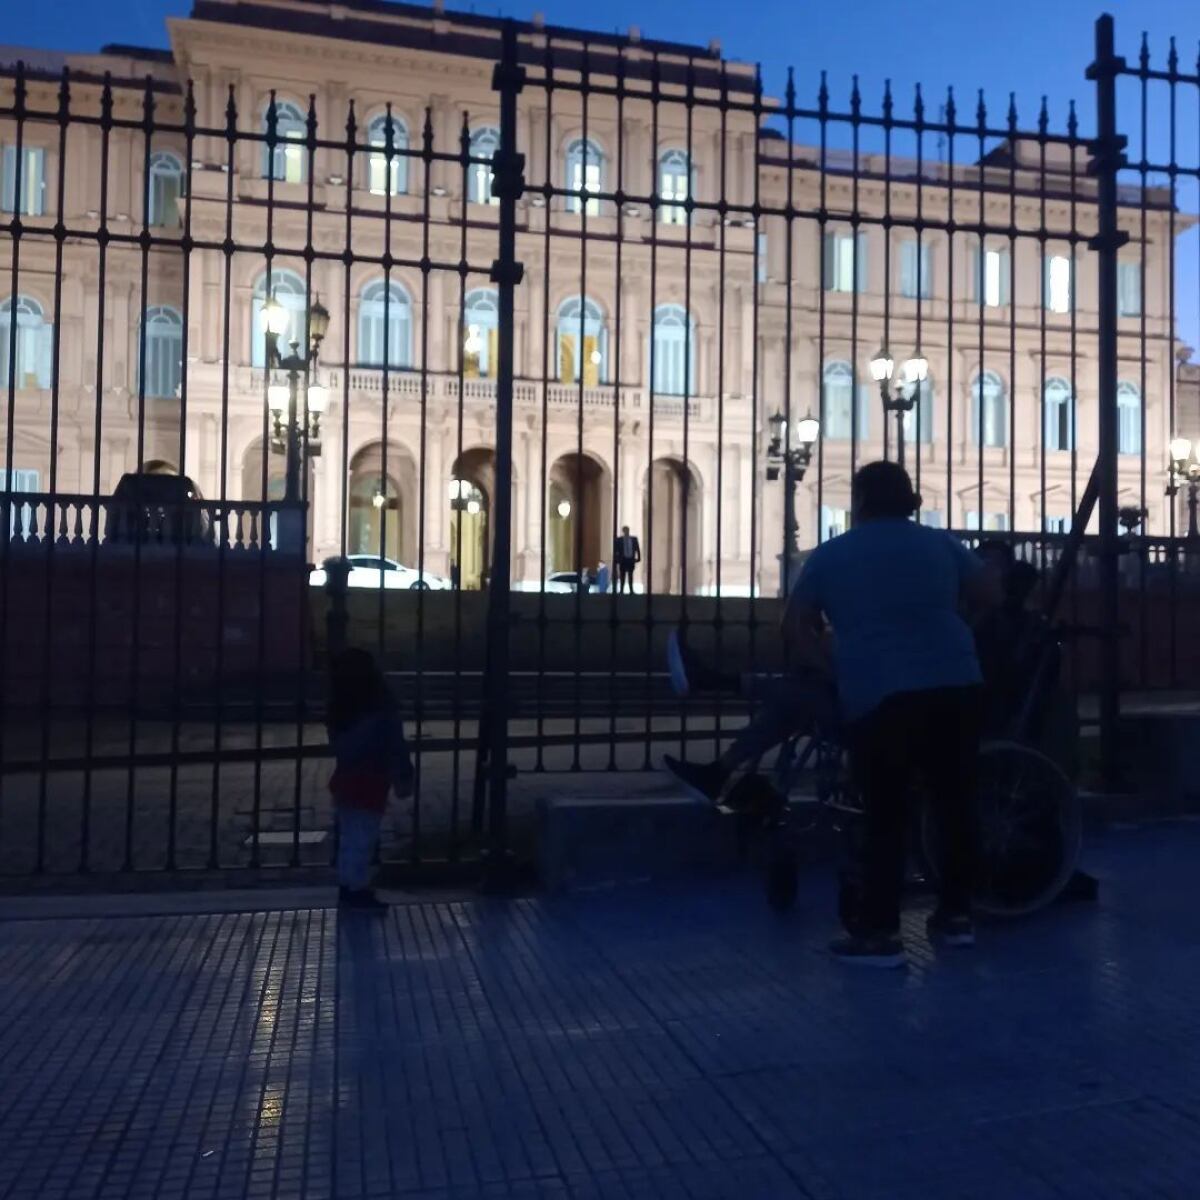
[674, 1042]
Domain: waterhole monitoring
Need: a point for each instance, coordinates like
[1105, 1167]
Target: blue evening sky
[1030, 47]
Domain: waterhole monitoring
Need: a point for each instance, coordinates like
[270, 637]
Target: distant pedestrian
[627, 553]
[371, 758]
[602, 577]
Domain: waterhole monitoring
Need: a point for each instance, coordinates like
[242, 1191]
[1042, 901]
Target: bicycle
[1030, 818]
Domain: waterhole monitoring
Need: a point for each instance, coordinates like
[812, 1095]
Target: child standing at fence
[371, 759]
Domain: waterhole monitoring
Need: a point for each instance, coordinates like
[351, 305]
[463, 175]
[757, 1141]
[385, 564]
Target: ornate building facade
[688, 271]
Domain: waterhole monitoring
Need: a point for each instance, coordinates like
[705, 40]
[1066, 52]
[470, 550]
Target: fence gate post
[508, 183]
[1107, 159]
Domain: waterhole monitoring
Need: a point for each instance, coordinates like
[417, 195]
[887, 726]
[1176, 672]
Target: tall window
[164, 186]
[918, 421]
[834, 522]
[674, 348]
[480, 318]
[837, 402]
[762, 246]
[1129, 289]
[1060, 415]
[30, 367]
[286, 162]
[384, 325]
[1056, 523]
[387, 174]
[916, 269]
[674, 187]
[32, 184]
[1129, 419]
[484, 144]
[845, 262]
[582, 342]
[988, 522]
[989, 409]
[288, 289]
[585, 173]
[990, 276]
[161, 358]
[1056, 283]
[932, 518]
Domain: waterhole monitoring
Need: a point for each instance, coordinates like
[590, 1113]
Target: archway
[672, 546]
[472, 485]
[381, 503]
[578, 514]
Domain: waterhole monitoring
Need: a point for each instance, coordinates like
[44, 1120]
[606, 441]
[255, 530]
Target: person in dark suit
[627, 553]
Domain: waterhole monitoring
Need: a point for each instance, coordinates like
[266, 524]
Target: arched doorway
[471, 487]
[578, 514]
[379, 520]
[672, 546]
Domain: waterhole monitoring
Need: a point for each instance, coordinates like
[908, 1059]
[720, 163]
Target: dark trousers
[927, 737]
[625, 575]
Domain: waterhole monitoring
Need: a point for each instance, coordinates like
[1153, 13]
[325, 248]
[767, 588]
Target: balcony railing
[36, 520]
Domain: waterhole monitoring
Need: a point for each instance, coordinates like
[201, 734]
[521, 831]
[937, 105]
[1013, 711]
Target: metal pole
[900, 414]
[291, 490]
[1107, 159]
[791, 527]
[508, 175]
[1193, 531]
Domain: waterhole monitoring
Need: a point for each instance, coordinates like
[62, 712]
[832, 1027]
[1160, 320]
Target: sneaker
[951, 931]
[676, 666]
[361, 901]
[705, 781]
[871, 950]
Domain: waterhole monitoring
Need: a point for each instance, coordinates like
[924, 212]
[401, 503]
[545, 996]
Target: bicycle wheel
[1030, 831]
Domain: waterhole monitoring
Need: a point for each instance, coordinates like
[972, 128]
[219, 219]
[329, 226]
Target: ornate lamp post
[283, 398]
[899, 397]
[793, 462]
[1184, 471]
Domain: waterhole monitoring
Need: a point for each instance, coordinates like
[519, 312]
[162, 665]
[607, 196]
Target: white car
[367, 571]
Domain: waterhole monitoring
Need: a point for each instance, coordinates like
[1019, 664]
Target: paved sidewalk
[650, 1044]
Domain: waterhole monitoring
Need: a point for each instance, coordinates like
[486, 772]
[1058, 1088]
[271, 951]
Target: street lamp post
[284, 398]
[899, 397]
[1184, 471]
[793, 462]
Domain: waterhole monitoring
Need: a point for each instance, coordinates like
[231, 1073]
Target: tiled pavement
[676, 1042]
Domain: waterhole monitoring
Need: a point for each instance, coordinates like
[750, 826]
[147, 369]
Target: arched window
[288, 289]
[160, 358]
[1129, 418]
[480, 330]
[287, 161]
[989, 410]
[674, 187]
[164, 186]
[918, 421]
[837, 402]
[484, 144]
[582, 342]
[384, 325]
[1059, 415]
[585, 173]
[387, 173]
[30, 367]
[674, 352]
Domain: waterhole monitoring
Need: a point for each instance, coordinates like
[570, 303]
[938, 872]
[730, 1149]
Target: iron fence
[466, 342]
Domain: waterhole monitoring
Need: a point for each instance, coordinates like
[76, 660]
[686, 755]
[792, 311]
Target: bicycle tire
[1030, 823]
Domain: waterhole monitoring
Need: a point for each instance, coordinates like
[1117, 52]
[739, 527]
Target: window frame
[289, 116]
[979, 413]
[393, 305]
[1063, 440]
[1125, 445]
[480, 178]
[159, 317]
[589, 318]
[380, 180]
[34, 340]
[674, 164]
[288, 288]
[155, 202]
[580, 154]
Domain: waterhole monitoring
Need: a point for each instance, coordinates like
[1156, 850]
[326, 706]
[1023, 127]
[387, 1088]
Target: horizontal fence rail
[525, 354]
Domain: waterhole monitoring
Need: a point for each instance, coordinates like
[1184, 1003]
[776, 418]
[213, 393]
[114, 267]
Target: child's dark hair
[882, 490]
[356, 687]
